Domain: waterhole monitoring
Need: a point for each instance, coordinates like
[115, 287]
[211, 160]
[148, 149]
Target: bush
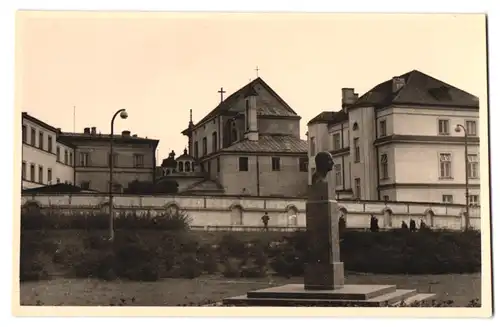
[232, 268]
[37, 220]
[33, 256]
[391, 252]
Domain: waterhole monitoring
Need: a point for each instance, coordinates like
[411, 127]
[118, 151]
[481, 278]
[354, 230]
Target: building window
[66, 157]
[138, 160]
[58, 180]
[187, 165]
[384, 166]
[357, 188]
[386, 198]
[473, 200]
[357, 154]
[471, 127]
[49, 176]
[32, 173]
[71, 158]
[40, 174]
[303, 164]
[336, 141]
[275, 163]
[444, 126]
[196, 149]
[49, 144]
[243, 163]
[209, 167]
[23, 170]
[338, 174]
[40, 140]
[205, 149]
[115, 159]
[84, 159]
[33, 137]
[312, 146]
[447, 198]
[180, 166]
[24, 134]
[214, 141]
[473, 166]
[58, 153]
[218, 164]
[383, 128]
[445, 165]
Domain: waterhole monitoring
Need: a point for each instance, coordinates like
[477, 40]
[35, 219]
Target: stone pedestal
[323, 270]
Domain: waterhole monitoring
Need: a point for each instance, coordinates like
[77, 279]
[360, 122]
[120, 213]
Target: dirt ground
[173, 292]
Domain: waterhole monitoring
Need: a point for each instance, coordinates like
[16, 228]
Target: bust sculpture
[324, 164]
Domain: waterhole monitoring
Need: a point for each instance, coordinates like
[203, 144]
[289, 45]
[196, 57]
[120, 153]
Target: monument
[324, 273]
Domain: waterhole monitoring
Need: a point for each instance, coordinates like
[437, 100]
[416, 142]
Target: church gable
[205, 186]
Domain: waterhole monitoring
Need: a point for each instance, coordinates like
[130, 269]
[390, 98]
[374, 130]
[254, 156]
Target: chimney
[348, 97]
[86, 130]
[397, 83]
[251, 125]
[94, 131]
[126, 133]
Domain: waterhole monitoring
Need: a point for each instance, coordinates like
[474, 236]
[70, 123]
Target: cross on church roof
[221, 91]
[257, 70]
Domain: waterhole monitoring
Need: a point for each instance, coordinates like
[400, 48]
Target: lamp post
[458, 128]
[123, 115]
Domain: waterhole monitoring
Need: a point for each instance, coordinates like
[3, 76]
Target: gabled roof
[246, 90]
[203, 186]
[419, 89]
[330, 117]
[270, 143]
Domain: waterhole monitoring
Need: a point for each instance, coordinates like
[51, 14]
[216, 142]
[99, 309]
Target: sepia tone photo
[244, 160]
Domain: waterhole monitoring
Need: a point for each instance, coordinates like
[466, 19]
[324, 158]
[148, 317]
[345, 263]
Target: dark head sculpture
[324, 164]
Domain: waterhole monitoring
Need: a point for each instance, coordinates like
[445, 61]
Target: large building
[46, 159]
[400, 142]
[50, 156]
[248, 145]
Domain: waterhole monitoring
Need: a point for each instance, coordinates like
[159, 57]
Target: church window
[205, 146]
[214, 141]
[243, 163]
[188, 166]
[181, 166]
[276, 163]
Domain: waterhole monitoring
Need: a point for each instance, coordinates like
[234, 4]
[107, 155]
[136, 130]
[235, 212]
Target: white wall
[216, 211]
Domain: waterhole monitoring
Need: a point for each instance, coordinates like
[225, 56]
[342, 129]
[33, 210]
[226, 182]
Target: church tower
[251, 127]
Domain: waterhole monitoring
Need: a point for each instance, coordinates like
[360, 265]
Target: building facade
[402, 141]
[51, 156]
[250, 144]
[46, 159]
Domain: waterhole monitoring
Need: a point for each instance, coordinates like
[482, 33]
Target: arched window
[214, 141]
[181, 166]
[291, 214]
[188, 166]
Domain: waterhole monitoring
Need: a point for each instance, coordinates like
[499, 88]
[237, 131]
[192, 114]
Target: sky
[159, 66]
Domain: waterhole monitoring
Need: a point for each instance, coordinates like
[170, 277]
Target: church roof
[419, 89]
[270, 143]
[249, 89]
[185, 156]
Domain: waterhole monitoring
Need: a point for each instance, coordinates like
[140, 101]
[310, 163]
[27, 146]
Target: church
[248, 145]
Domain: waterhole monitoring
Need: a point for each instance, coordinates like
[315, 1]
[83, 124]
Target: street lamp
[123, 115]
[458, 128]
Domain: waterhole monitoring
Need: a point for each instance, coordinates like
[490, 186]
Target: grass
[173, 292]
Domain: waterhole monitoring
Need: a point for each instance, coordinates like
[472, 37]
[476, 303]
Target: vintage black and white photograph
[252, 160]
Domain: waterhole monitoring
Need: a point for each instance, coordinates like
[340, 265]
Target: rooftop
[249, 89]
[419, 89]
[270, 143]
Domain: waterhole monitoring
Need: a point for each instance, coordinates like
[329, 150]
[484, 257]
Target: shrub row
[150, 255]
[37, 220]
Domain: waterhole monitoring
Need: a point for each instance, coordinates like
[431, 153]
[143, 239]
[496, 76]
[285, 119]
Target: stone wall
[223, 211]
